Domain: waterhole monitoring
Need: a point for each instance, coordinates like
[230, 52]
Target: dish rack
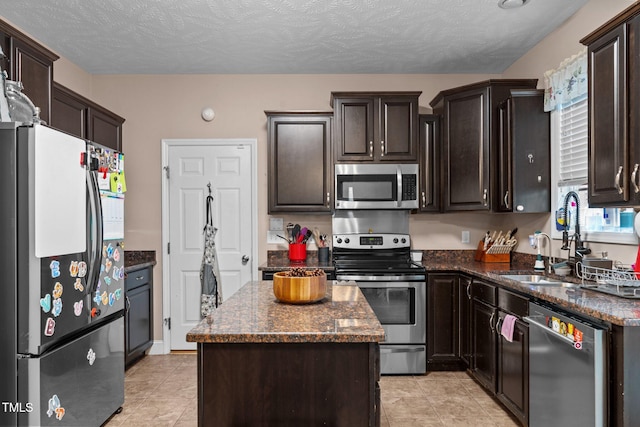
[495, 253]
[620, 276]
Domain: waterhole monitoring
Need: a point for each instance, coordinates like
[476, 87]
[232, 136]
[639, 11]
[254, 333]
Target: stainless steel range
[395, 287]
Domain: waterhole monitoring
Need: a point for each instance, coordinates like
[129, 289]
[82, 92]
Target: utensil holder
[297, 252]
[323, 255]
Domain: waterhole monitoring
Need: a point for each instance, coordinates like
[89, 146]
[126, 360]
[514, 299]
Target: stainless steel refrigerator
[62, 278]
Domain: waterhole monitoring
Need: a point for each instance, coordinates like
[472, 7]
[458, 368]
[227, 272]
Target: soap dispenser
[534, 241]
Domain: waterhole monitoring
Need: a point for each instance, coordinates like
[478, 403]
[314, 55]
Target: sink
[540, 280]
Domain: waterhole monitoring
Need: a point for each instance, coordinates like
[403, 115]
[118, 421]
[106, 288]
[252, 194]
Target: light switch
[276, 224]
[465, 236]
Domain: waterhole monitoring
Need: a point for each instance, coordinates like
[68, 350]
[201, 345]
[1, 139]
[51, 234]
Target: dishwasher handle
[547, 329]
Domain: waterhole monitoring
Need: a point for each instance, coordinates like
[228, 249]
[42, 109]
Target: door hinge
[169, 248]
[166, 171]
[167, 321]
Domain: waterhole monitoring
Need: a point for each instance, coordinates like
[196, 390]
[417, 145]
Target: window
[569, 142]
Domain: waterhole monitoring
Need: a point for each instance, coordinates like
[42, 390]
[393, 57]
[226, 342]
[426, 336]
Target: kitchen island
[262, 362]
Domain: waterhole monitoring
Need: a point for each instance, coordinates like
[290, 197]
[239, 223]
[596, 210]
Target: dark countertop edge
[495, 273]
[276, 268]
[139, 266]
[283, 338]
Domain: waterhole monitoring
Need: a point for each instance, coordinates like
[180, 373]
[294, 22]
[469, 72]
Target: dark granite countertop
[253, 315]
[609, 308]
[279, 260]
[134, 260]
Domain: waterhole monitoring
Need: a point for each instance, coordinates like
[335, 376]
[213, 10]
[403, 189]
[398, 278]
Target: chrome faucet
[580, 250]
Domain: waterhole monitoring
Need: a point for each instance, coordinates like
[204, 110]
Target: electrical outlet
[465, 236]
[272, 237]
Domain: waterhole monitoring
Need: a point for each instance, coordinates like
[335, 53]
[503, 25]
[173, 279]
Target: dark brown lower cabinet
[288, 384]
[443, 323]
[483, 331]
[513, 370]
[138, 317]
[464, 308]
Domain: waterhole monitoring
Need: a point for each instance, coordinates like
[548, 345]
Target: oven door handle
[388, 350]
[400, 278]
[399, 184]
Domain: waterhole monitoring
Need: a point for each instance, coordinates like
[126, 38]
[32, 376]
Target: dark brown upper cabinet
[376, 126]
[30, 63]
[299, 161]
[79, 116]
[470, 135]
[429, 150]
[524, 145]
[614, 110]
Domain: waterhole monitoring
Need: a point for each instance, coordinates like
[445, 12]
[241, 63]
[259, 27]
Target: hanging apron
[211, 290]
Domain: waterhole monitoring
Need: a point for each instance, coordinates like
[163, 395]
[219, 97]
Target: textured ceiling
[288, 36]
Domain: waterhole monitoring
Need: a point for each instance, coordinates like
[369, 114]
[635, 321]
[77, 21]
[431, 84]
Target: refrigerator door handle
[96, 222]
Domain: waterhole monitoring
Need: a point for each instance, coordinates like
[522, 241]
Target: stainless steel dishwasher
[567, 376]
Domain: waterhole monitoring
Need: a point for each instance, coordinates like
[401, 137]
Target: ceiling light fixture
[511, 4]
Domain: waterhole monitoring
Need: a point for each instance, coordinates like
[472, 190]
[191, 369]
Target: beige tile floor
[161, 391]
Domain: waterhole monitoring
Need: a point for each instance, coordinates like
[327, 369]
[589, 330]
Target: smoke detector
[511, 4]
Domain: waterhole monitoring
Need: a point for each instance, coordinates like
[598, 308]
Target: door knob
[245, 259]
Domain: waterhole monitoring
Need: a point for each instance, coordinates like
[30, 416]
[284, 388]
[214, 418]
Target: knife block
[499, 253]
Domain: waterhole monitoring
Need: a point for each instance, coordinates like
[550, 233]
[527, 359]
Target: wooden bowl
[299, 290]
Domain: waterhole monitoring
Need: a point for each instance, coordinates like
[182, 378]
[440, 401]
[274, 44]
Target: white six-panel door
[192, 166]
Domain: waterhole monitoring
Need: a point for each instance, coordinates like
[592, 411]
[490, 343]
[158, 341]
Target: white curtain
[567, 83]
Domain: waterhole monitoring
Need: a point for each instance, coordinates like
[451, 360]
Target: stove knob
[395, 240]
[404, 240]
[339, 240]
[346, 240]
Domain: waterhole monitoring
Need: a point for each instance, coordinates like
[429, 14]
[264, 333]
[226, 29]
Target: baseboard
[157, 348]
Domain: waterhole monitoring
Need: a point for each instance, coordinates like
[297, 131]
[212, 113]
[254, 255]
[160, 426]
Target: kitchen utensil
[316, 237]
[306, 236]
[295, 232]
[283, 238]
[299, 290]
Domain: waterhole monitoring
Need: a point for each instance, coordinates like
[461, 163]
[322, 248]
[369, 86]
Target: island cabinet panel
[288, 384]
[299, 156]
[376, 126]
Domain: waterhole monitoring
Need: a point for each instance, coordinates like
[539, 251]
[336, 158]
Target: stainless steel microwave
[376, 186]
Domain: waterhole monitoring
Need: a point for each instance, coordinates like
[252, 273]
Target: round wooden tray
[299, 290]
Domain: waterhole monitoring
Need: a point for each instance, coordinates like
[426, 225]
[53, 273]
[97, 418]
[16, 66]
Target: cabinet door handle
[491, 322]
[381, 148]
[424, 200]
[498, 331]
[485, 197]
[328, 200]
[506, 199]
[370, 148]
[634, 181]
[469, 290]
[617, 180]
[128, 306]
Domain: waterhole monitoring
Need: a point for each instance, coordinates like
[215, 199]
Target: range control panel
[371, 241]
